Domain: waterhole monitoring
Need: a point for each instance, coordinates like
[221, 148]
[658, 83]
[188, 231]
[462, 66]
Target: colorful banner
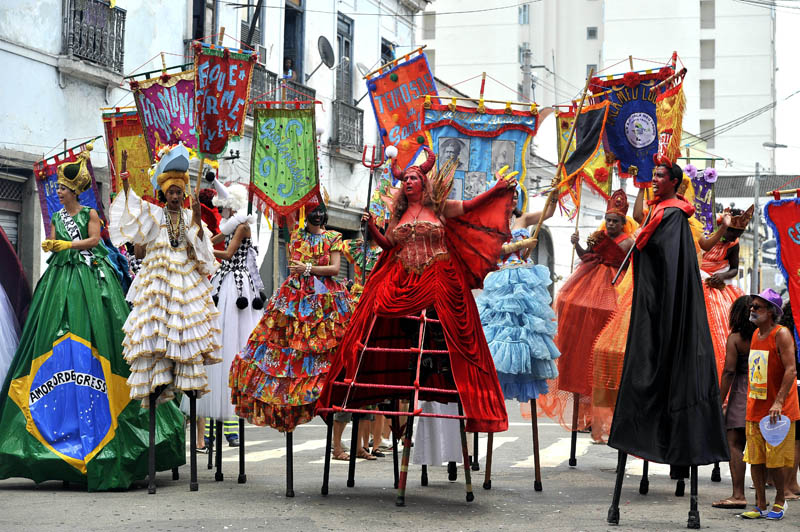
[631, 127]
[124, 133]
[397, 95]
[783, 216]
[670, 106]
[46, 172]
[703, 202]
[222, 87]
[481, 142]
[590, 161]
[284, 171]
[166, 110]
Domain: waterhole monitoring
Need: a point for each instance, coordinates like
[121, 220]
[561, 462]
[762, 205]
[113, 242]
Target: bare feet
[731, 503]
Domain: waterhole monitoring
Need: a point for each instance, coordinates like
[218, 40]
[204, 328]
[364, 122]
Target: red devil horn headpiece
[422, 170]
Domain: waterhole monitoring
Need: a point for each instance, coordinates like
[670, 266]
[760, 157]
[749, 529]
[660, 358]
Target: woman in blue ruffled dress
[519, 322]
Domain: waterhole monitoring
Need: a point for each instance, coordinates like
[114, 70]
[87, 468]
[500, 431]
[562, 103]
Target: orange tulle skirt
[718, 307]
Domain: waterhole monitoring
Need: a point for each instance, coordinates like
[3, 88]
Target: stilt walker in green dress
[65, 408]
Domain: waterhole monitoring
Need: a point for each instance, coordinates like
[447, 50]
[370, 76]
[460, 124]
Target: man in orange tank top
[771, 378]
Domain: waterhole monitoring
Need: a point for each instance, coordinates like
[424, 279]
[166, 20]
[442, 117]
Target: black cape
[668, 407]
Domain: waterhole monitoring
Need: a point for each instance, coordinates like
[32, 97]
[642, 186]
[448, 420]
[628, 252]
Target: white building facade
[66, 59]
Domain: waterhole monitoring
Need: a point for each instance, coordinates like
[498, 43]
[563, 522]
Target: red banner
[783, 216]
[397, 95]
[222, 87]
[124, 133]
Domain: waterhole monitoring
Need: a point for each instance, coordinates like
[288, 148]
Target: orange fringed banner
[124, 132]
[670, 106]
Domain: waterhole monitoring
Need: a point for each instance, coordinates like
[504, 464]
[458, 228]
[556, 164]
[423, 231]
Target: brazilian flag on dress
[65, 408]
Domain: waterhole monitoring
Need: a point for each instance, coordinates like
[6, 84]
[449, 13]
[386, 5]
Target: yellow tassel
[302, 220]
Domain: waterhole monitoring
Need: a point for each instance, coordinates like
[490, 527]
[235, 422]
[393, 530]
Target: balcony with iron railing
[95, 32]
[347, 137]
[266, 86]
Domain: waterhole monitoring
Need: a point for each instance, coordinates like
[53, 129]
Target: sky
[787, 42]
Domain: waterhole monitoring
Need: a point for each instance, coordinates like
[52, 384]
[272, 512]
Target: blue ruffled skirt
[519, 325]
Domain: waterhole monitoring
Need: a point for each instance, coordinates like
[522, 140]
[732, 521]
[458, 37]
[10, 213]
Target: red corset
[418, 244]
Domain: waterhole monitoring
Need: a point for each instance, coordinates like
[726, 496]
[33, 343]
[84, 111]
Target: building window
[524, 14]
[706, 127]
[591, 69]
[430, 54]
[706, 94]
[707, 14]
[429, 25]
[344, 78]
[248, 15]
[387, 51]
[293, 38]
[591, 33]
[707, 53]
[95, 32]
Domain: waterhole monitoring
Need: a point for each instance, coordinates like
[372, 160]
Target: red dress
[584, 305]
[432, 266]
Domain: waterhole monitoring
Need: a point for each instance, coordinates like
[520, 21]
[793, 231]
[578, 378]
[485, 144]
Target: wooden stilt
[218, 474]
[242, 476]
[644, 484]
[175, 474]
[327, 469]
[573, 461]
[694, 513]
[680, 488]
[424, 478]
[401, 486]
[465, 454]
[395, 442]
[715, 474]
[452, 471]
[613, 511]
[537, 468]
[354, 446]
[193, 486]
[211, 443]
[487, 477]
[289, 465]
[151, 458]
[476, 466]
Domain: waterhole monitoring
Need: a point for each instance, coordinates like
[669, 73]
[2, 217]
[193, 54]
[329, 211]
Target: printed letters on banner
[631, 127]
[703, 202]
[783, 216]
[124, 133]
[397, 96]
[284, 172]
[46, 173]
[222, 86]
[589, 161]
[482, 143]
[166, 110]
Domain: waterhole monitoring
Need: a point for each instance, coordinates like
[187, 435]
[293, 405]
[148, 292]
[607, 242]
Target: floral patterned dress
[277, 378]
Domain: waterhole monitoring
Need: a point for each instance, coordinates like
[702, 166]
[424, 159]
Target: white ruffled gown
[237, 324]
[173, 331]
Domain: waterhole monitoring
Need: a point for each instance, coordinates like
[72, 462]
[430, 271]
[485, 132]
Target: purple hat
[771, 296]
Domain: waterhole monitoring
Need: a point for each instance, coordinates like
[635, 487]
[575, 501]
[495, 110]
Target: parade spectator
[733, 387]
[772, 375]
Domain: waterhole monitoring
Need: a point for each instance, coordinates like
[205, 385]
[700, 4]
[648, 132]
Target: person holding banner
[65, 410]
[173, 329]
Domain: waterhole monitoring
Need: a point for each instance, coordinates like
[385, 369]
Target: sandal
[363, 453]
[776, 516]
[729, 504]
[377, 453]
[341, 455]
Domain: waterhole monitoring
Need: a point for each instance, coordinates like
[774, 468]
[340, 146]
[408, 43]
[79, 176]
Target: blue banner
[482, 143]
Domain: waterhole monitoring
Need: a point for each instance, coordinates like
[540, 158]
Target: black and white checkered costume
[236, 265]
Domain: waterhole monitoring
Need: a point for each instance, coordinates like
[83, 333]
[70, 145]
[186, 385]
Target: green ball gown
[65, 407]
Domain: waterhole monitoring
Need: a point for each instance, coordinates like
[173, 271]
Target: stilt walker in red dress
[416, 333]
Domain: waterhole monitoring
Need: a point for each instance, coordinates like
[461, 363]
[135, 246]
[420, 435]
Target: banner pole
[563, 157]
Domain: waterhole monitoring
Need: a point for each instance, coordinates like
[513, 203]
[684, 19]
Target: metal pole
[754, 278]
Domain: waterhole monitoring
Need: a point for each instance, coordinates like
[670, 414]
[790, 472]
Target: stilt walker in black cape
[668, 408]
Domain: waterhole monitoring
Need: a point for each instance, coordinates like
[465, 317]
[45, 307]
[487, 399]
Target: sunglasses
[757, 307]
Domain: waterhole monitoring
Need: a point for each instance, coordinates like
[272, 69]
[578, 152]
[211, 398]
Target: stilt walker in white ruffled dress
[173, 331]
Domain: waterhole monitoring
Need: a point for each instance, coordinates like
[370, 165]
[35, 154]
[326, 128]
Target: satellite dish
[362, 68]
[325, 53]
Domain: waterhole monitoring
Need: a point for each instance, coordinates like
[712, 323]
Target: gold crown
[75, 174]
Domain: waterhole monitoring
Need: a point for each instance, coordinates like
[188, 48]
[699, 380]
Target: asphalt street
[572, 499]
